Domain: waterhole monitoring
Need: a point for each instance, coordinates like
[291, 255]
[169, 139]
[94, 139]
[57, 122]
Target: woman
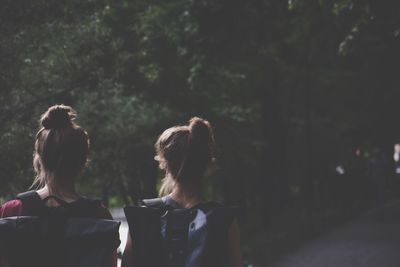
[61, 153]
[184, 153]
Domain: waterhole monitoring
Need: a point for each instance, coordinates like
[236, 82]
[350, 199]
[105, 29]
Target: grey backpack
[63, 236]
[166, 236]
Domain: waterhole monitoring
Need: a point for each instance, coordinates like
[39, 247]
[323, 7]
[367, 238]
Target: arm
[127, 256]
[235, 254]
[114, 259]
[3, 262]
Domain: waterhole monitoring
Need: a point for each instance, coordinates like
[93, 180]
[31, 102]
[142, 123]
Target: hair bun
[200, 128]
[58, 116]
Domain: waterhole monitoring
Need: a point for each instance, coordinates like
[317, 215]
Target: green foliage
[283, 81]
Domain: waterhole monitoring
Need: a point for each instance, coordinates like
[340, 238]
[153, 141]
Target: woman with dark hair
[60, 155]
[184, 153]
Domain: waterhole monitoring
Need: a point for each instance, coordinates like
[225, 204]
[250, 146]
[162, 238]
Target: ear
[163, 165]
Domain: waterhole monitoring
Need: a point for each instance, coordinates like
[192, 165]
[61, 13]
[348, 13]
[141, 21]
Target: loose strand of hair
[167, 185]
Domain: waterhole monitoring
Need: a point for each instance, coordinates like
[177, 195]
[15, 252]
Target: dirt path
[368, 241]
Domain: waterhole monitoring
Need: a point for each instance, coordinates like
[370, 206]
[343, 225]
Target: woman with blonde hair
[207, 234]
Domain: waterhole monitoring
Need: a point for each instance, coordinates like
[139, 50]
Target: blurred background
[303, 95]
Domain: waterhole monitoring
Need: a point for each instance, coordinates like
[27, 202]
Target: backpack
[65, 235]
[166, 236]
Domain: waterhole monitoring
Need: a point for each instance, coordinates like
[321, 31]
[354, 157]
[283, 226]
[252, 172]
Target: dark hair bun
[200, 129]
[58, 116]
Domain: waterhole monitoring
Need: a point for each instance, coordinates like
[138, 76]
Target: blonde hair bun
[200, 129]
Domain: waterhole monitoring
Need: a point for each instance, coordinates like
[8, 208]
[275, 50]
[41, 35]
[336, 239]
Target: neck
[61, 187]
[186, 196]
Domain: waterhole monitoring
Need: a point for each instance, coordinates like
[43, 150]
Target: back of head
[61, 147]
[185, 153]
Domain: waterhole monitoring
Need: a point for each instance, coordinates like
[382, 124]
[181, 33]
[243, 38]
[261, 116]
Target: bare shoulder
[11, 208]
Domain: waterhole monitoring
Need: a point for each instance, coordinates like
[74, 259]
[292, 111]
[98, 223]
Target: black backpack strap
[154, 203]
[32, 204]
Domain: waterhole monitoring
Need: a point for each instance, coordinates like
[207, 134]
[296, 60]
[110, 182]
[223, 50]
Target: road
[368, 241]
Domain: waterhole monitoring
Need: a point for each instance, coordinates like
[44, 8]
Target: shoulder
[11, 208]
[104, 213]
[94, 208]
[213, 206]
